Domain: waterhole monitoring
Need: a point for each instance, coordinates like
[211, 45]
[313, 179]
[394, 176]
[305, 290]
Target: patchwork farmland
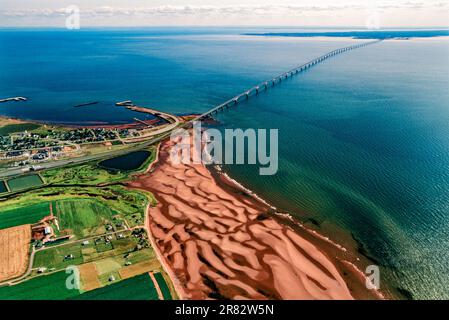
[97, 229]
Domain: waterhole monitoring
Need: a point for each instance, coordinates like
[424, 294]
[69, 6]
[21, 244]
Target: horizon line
[230, 26]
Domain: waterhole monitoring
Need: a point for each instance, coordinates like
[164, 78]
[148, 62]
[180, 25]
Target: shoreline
[179, 240]
[5, 119]
[287, 217]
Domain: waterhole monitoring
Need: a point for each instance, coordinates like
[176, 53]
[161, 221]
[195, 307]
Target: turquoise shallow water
[364, 137]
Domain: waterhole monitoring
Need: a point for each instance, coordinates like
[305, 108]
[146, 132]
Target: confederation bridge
[272, 82]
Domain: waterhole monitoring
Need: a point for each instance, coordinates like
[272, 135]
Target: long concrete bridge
[272, 82]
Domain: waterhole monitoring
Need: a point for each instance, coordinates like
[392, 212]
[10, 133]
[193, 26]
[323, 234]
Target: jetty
[14, 99]
[85, 104]
[126, 103]
[158, 114]
[143, 122]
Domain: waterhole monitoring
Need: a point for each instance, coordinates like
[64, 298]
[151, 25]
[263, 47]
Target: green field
[50, 287]
[12, 128]
[24, 182]
[83, 217]
[54, 257]
[15, 216]
[129, 203]
[137, 288]
[163, 285]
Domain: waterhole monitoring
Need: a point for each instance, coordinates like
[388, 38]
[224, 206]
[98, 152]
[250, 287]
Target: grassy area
[49, 287]
[83, 217]
[19, 127]
[54, 257]
[11, 216]
[163, 285]
[91, 173]
[24, 182]
[137, 288]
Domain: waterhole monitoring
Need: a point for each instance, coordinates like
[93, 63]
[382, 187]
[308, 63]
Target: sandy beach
[219, 242]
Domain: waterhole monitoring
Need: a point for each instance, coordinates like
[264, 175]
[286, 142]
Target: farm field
[24, 182]
[129, 203]
[54, 257]
[137, 288]
[163, 285]
[108, 256]
[83, 217]
[49, 287]
[14, 215]
[89, 277]
[14, 250]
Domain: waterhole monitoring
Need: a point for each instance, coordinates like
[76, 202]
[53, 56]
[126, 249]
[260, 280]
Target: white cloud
[344, 12]
[188, 10]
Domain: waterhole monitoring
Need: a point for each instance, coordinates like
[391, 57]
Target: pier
[13, 99]
[126, 103]
[143, 122]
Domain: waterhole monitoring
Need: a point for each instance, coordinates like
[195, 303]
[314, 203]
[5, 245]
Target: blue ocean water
[364, 136]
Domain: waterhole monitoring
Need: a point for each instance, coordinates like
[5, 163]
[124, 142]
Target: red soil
[220, 243]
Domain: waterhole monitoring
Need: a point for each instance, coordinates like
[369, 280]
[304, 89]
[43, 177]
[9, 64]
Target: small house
[41, 270]
[47, 230]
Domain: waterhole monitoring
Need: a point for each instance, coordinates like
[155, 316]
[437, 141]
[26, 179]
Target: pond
[127, 162]
[24, 182]
[3, 187]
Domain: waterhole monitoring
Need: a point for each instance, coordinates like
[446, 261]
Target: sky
[372, 14]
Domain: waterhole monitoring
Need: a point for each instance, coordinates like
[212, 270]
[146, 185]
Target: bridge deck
[290, 73]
